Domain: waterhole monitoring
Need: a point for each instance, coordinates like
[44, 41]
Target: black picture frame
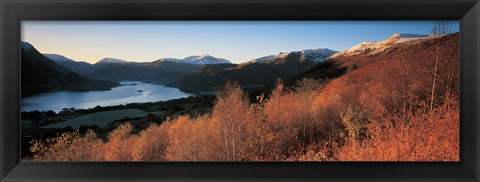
[12, 12]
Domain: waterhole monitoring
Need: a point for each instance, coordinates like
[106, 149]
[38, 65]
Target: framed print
[239, 90]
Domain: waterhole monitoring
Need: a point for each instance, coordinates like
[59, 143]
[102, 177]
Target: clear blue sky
[237, 41]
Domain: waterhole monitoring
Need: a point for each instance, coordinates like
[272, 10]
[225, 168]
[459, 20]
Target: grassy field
[27, 124]
[99, 118]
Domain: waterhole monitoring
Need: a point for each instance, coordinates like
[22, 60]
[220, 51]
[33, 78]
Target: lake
[128, 92]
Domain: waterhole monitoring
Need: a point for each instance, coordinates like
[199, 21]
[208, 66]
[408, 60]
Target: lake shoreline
[127, 92]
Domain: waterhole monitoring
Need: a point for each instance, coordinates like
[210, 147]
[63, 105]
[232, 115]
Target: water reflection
[129, 92]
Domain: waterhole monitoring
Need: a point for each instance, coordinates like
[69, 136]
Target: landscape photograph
[240, 91]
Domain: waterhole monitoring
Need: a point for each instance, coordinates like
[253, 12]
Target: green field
[27, 124]
[99, 118]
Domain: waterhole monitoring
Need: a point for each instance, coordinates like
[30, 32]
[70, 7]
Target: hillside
[77, 67]
[162, 71]
[157, 72]
[40, 74]
[369, 51]
[198, 60]
[256, 73]
[361, 55]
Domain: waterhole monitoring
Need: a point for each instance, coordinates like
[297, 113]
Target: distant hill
[77, 67]
[40, 75]
[160, 72]
[199, 60]
[110, 61]
[101, 64]
[255, 73]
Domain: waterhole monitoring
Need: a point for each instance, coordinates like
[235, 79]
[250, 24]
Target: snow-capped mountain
[405, 38]
[261, 71]
[372, 48]
[58, 58]
[110, 60]
[261, 59]
[315, 55]
[198, 60]
[206, 59]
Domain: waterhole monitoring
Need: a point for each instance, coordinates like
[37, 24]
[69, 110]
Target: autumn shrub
[397, 95]
[152, 143]
[191, 140]
[179, 146]
[119, 145]
[229, 118]
[202, 146]
[355, 120]
[286, 115]
[419, 137]
[68, 147]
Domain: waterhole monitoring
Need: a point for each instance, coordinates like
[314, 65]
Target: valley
[311, 104]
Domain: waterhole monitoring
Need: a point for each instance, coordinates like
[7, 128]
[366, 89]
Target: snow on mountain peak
[261, 59]
[111, 60]
[403, 37]
[376, 47]
[284, 54]
[317, 55]
[205, 56]
[199, 60]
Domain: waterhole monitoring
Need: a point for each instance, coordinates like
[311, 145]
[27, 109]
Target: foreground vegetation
[404, 108]
[34, 123]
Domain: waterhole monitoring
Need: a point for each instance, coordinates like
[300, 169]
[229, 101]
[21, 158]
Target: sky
[236, 41]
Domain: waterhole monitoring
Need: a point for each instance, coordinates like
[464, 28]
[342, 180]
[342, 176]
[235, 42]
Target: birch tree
[439, 29]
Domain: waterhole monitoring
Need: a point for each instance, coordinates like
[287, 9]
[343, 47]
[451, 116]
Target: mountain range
[161, 71]
[198, 60]
[252, 74]
[204, 73]
[364, 54]
[200, 73]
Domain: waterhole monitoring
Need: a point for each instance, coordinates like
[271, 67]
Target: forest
[399, 105]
